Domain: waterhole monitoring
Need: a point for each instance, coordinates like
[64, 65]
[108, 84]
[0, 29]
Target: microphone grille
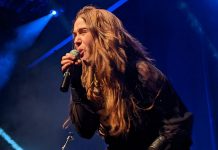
[75, 53]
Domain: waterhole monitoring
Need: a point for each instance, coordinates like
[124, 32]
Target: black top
[168, 117]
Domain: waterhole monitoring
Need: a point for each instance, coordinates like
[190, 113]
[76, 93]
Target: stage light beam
[8, 139]
[26, 36]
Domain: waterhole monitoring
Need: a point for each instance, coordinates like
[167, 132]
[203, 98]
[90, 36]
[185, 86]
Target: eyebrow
[80, 29]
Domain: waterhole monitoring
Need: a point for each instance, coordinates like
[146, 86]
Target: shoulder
[149, 75]
[147, 70]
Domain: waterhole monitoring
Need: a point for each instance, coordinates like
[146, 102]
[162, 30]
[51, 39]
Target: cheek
[89, 40]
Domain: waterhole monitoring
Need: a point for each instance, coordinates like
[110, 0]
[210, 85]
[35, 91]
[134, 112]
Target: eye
[83, 31]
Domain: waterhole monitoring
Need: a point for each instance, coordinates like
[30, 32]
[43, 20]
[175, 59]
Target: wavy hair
[112, 51]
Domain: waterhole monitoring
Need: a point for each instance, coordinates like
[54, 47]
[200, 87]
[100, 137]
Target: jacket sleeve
[82, 111]
[177, 120]
[175, 133]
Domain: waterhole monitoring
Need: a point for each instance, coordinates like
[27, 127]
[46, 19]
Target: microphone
[67, 76]
[158, 143]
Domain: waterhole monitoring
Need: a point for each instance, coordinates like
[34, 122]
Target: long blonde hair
[113, 48]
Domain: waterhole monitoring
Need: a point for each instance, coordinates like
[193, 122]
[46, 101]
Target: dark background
[181, 36]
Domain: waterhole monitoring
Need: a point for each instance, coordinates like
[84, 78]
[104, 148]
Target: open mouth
[81, 54]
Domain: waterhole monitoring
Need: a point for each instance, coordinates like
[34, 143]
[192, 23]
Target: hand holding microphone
[68, 61]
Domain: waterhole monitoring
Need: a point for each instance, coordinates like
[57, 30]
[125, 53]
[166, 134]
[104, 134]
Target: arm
[82, 112]
[175, 132]
[177, 121]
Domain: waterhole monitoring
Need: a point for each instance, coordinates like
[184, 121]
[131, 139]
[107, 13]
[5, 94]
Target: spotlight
[53, 13]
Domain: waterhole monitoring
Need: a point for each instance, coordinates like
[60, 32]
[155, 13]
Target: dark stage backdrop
[181, 36]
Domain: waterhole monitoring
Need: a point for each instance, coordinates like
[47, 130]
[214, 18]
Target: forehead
[79, 23]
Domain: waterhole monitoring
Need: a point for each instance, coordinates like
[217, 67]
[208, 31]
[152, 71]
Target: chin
[86, 61]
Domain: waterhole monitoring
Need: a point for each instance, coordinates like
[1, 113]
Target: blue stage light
[10, 141]
[53, 12]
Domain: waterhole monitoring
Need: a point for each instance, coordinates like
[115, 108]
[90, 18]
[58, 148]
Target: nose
[77, 41]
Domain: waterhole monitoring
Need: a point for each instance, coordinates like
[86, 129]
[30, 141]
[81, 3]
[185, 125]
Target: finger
[65, 66]
[78, 62]
[70, 56]
[66, 61]
[67, 57]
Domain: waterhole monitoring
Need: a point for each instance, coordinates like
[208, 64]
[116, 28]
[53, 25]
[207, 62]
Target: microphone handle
[66, 81]
[158, 143]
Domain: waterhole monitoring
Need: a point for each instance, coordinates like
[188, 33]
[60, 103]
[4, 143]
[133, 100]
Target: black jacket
[168, 123]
